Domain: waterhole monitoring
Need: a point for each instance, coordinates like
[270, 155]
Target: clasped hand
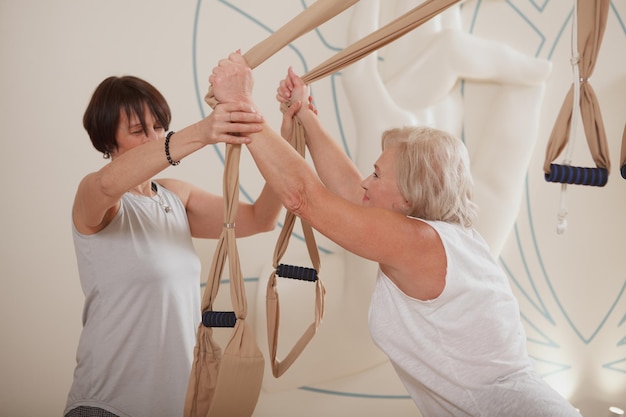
[232, 79]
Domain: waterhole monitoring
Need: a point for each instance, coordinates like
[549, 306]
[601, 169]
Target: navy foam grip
[296, 272]
[566, 174]
[623, 171]
[219, 318]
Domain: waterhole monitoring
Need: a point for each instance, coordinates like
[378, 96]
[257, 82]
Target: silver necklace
[159, 200]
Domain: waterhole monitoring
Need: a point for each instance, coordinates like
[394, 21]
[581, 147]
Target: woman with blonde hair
[442, 310]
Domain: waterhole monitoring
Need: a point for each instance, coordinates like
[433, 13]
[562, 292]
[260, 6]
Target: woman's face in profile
[381, 187]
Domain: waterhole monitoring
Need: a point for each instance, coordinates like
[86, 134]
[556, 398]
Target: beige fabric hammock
[230, 385]
[589, 21]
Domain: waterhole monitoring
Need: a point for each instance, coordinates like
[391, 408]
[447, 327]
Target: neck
[144, 189]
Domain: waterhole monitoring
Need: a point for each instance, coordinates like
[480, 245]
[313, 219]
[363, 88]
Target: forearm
[261, 216]
[286, 172]
[332, 164]
[143, 162]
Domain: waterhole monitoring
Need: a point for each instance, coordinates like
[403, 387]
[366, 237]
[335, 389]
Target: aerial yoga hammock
[230, 385]
[588, 23]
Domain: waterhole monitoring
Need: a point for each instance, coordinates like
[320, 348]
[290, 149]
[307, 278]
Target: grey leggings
[89, 412]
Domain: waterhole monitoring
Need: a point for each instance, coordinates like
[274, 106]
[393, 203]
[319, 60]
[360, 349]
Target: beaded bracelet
[167, 149]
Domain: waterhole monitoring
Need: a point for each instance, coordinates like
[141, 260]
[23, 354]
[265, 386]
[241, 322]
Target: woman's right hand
[293, 89]
[231, 123]
[292, 92]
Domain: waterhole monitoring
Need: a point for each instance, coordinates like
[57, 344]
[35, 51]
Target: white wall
[53, 54]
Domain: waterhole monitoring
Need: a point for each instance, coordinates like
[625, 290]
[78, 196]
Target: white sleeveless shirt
[141, 280]
[463, 353]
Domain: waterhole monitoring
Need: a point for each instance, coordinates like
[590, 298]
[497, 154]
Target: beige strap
[231, 385]
[272, 298]
[383, 36]
[588, 26]
[591, 15]
[216, 383]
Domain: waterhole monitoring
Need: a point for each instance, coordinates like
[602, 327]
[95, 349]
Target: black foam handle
[219, 318]
[566, 174]
[296, 272]
[623, 171]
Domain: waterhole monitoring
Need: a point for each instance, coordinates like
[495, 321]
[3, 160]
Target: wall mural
[557, 289]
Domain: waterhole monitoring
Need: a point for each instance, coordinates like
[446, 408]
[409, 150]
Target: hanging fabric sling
[589, 21]
[295, 272]
[381, 37]
[230, 385]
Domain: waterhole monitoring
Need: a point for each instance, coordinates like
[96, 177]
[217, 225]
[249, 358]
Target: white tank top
[462, 353]
[141, 280]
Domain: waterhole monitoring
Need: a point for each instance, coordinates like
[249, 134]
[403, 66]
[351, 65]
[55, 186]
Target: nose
[365, 182]
[152, 134]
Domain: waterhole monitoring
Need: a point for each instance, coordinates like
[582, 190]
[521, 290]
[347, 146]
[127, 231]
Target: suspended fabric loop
[230, 385]
[381, 37]
[216, 380]
[272, 298]
[589, 21]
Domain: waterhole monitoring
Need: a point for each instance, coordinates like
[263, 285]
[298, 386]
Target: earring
[106, 155]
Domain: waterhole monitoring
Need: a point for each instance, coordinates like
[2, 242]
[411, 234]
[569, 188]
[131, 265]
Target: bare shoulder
[181, 188]
[420, 268]
[92, 211]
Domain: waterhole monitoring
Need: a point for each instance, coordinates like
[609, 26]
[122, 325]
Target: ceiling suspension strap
[588, 23]
[230, 385]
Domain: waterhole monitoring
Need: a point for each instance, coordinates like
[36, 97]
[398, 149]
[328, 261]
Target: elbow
[295, 202]
[269, 225]
[107, 186]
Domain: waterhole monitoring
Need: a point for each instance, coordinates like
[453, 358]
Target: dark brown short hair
[114, 94]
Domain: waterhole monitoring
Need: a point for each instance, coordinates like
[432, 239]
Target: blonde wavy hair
[433, 174]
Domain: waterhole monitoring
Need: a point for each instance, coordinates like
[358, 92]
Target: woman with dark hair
[442, 310]
[133, 238]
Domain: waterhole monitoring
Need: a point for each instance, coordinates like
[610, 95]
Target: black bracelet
[167, 149]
